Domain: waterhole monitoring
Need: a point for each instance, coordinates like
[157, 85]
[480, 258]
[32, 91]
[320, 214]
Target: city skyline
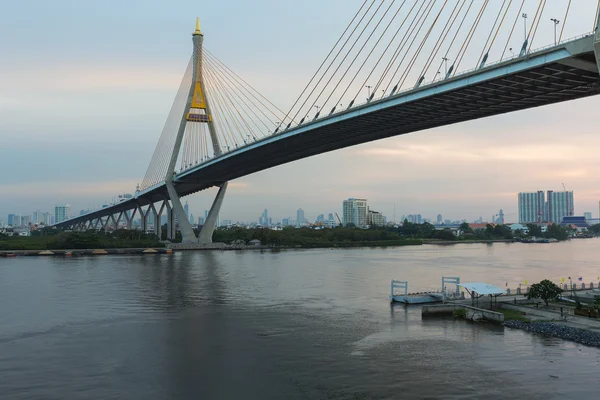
[459, 171]
[529, 212]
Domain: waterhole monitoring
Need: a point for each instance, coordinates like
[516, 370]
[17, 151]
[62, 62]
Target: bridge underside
[548, 84]
[563, 73]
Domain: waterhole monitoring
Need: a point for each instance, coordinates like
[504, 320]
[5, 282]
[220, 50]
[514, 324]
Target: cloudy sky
[85, 88]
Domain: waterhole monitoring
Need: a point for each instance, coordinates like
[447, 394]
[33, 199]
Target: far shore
[222, 246]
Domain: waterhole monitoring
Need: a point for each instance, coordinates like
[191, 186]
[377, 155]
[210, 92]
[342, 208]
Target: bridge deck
[560, 73]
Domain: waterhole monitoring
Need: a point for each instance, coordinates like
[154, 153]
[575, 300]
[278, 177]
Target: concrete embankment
[474, 312]
[83, 252]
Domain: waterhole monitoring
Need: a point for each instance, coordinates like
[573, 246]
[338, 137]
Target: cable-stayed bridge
[407, 54]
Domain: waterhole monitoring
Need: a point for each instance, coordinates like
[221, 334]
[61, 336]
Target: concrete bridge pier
[187, 233]
[143, 218]
[210, 224]
[171, 234]
[129, 218]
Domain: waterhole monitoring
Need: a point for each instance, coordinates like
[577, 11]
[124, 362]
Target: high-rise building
[186, 210]
[355, 211]
[330, 217]
[321, 218]
[16, 220]
[500, 218]
[531, 207]
[560, 204]
[201, 221]
[192, 219]
[61, 213]
[285, 222]
[264, 218]
[375, 218]
[25, 220]
[11, 219]
[414, 218]
[439, 219]
[587, 215]
[47, 218]
[37, 217]
[300, 217]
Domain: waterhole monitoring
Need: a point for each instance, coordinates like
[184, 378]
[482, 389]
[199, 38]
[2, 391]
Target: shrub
[460, 313]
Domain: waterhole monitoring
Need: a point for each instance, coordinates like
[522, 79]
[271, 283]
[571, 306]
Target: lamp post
[445, 65]
[524, 15]
[556, 22]
[368, 91]
[571, 283]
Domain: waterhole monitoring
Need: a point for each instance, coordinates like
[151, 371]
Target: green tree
[545, 290]
[558, 232]
[534, 230]
[595, 229]
[466, 228]
[445, 234]
[502, 231]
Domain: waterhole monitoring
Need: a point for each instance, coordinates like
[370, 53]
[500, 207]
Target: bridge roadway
[554, 74]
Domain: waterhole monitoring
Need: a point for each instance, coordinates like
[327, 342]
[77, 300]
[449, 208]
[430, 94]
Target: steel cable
[330, 65]
[438, 45]
[483, 50]
[323, 63]
[470, 35]
[565, 21]
[420, 23]
[360, 51]
[537, 24]
[512, 30]
[412, 62]
[342, 62]
[399, 48]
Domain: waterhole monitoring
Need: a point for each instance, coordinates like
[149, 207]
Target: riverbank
[558, 330]
[84, 252]
[477, 241]
[169, 247]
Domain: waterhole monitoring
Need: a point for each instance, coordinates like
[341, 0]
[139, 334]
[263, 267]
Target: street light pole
[369, 91]
[445, 65]
[524, 15]
[556, 22]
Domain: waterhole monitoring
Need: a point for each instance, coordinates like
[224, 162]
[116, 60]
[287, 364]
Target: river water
[306, 324]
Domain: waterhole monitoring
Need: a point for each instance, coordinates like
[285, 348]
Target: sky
[85, 88]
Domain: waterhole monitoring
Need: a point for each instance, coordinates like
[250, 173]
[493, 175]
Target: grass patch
[460, 313]
[513, 315]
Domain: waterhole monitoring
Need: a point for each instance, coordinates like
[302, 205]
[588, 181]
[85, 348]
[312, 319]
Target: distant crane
[569, 205]
[338, 218]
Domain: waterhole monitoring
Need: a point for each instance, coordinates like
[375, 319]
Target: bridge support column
[143, 219]
[187, 233]
[96, 223]
[116, 221]
[157, 220]
[211, 220]
[129, 218]
[171, 231]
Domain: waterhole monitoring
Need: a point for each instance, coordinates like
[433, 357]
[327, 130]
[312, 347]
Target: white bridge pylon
[215, 111]
[197, 110]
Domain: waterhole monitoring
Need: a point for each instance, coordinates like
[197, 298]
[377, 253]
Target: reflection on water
[286, 324]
